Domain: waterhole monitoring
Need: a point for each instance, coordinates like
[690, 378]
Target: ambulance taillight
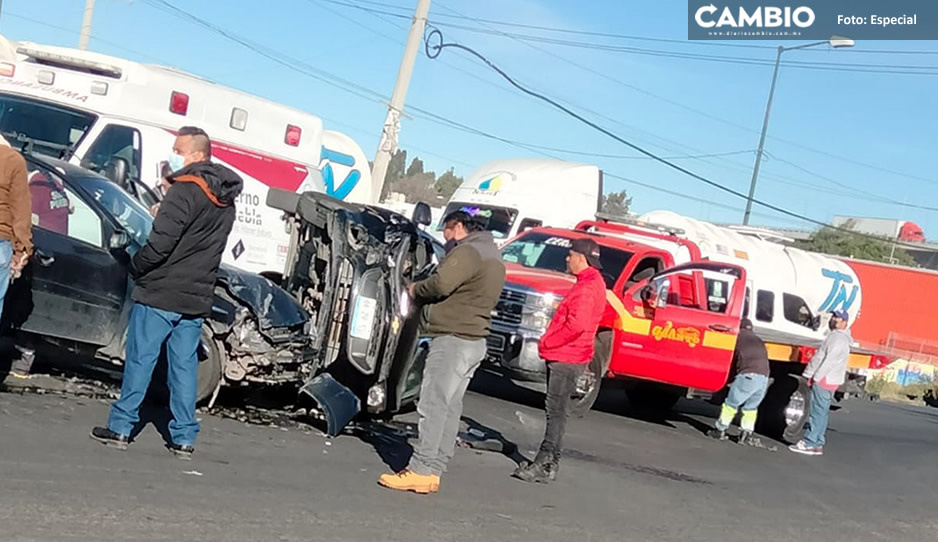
[179, 103]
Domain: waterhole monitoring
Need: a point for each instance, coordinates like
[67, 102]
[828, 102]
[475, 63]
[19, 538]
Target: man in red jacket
[567, 347]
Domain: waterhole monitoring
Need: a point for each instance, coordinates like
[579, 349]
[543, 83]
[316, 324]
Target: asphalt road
[624, 479]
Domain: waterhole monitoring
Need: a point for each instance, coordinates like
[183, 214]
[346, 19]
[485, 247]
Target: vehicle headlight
[405, 304]
[546, 302]
[536, 319]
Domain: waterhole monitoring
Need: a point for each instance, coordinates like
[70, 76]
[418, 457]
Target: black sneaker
[181, 451]
[745, 438]
[110, 438]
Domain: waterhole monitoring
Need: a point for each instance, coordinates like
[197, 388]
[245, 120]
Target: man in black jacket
[751, 364]
[174, 284]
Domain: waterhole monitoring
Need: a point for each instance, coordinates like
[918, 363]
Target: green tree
[617, 203]
[448, 183]
[840, 243]
[395, 173]
[416, 167]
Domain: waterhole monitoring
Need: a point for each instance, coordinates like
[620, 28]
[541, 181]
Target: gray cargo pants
[450, 364]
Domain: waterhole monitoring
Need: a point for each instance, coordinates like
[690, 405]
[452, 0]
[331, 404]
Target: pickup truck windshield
[549, 252]
[54, 129]
[497, 220]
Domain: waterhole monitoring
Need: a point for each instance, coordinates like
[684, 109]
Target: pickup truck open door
[680, 326]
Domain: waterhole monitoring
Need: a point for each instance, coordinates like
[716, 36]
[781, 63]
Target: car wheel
[590, 382]
[211, 360]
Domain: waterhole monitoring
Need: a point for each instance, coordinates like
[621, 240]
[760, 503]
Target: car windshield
[549, 252]
[132, 216]
[497, 220]
[52, 128]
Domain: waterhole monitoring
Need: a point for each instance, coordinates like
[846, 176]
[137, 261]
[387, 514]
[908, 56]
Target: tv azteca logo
[760, 17]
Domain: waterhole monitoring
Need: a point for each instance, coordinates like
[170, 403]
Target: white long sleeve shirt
[829, 365]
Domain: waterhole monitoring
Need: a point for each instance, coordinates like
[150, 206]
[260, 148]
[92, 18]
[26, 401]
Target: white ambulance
[119, 118]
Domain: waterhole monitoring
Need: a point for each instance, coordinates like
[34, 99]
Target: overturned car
[348, 266]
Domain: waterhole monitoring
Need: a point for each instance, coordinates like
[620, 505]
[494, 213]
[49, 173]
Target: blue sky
[839, 142]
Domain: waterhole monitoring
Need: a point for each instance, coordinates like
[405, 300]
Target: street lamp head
[839, 42]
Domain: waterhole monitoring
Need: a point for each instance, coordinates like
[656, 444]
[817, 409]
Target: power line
[601, 34]
[751, 61]
[437, 49]
[362, 91]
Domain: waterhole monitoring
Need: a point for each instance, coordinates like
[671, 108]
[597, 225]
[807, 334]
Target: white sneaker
[802, 448]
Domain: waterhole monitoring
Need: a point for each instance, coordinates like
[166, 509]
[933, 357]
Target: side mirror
[422, 214]
[119, 240]
[117, 170]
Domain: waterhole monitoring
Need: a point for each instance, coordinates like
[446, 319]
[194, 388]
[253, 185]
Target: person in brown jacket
[16, 238]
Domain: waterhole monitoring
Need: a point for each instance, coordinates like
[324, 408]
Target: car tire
[595, 371]
[211, 360]
[653, 399]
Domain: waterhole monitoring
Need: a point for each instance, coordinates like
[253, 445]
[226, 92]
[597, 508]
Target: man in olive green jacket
[458, 301]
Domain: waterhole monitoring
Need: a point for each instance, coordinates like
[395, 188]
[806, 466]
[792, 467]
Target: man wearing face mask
[174, 283]
[825, 373]
[457, 309]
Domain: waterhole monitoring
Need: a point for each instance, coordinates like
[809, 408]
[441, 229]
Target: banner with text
[812, 20]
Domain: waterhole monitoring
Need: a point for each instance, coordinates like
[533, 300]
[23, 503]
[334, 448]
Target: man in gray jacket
[457, 300]
[825, 373]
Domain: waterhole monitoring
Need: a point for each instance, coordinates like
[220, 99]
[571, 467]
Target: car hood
[273, 306]
[539, 280]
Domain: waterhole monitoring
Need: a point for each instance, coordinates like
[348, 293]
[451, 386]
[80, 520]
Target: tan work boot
[408, 480]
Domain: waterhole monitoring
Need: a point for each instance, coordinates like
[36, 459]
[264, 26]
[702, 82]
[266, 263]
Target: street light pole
[835, 42]
[765, 127]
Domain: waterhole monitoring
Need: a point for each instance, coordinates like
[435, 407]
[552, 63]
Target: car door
[690, 318]
[76, 287]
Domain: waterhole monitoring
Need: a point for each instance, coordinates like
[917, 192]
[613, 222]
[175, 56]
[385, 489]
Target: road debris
[193, 473]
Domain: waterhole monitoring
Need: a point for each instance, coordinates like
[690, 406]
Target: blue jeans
[149, 329]
[746, 393]
[819, 416]
[6, 260]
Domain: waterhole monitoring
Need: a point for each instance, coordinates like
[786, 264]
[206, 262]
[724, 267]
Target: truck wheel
[590, 383]
[784, 411]
[211, 360]
[653, 399]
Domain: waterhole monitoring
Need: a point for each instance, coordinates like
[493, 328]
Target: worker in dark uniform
[751, 366]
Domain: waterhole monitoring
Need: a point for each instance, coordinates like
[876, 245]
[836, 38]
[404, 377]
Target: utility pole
[392, 123]
[86, 25]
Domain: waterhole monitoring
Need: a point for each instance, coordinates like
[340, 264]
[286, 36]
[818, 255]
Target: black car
[75, 292]
[348, 265]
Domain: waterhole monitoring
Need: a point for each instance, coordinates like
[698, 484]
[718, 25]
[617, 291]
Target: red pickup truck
[670, 326]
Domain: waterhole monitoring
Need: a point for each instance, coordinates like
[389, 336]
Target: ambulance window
[718, 292]
[529, 223]
[796, 310]
[115, 141]
[746, 303]
[765, 306]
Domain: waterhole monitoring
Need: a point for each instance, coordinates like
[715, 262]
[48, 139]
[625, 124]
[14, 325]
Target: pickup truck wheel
[590, 383]
[653, 399]
[211, 359]
[784, 411]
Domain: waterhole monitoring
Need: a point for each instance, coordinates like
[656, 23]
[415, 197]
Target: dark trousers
[561, 383]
